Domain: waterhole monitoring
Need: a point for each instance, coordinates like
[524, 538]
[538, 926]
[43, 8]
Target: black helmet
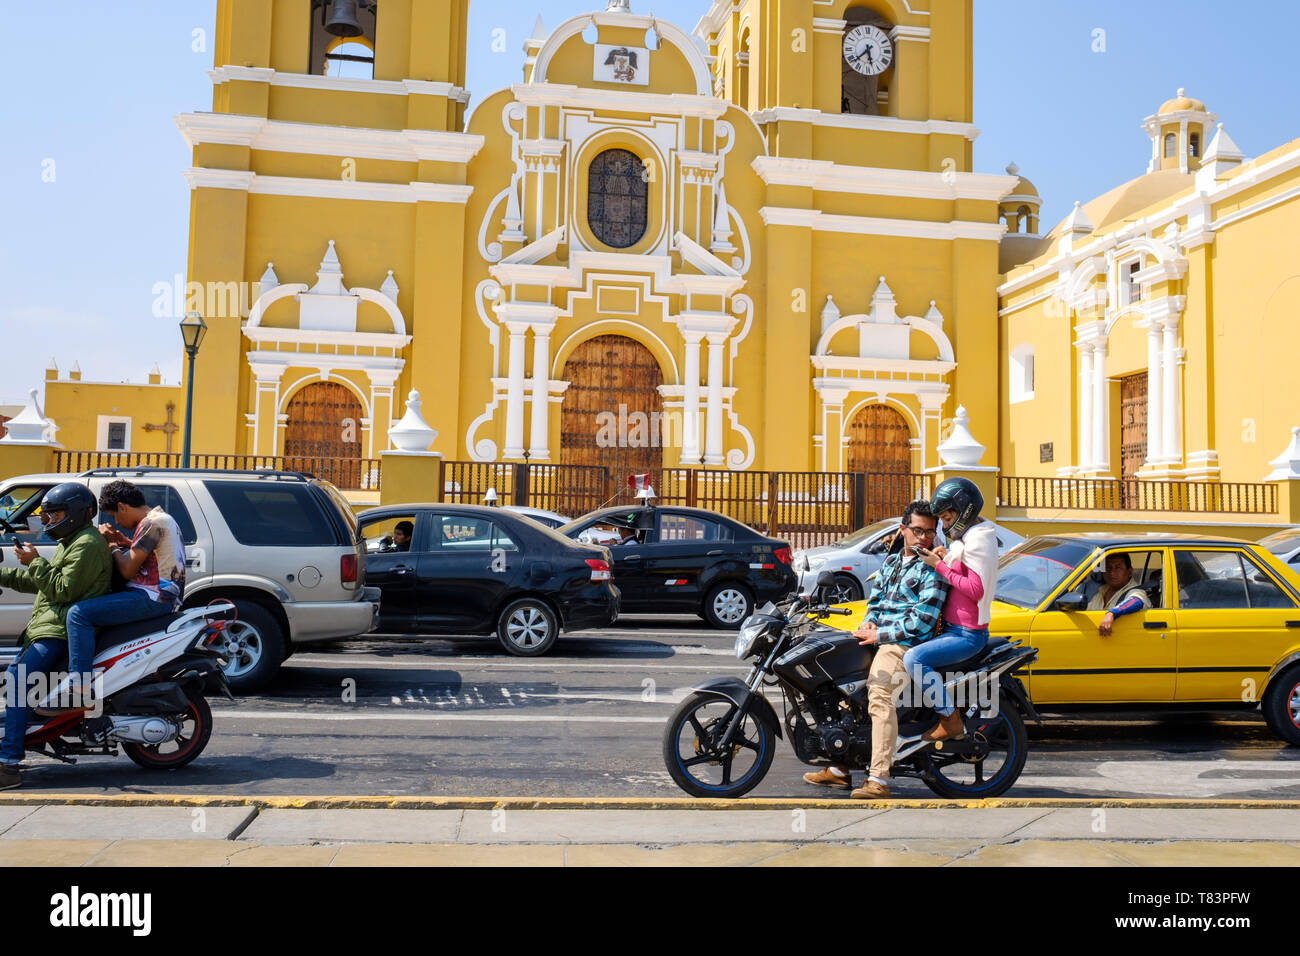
[959, 495]
[78, 505]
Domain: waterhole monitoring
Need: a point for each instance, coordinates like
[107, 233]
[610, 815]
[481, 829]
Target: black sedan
[687, 559]
[465, 569]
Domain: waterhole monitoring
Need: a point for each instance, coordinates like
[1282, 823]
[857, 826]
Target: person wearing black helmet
[80, 568]
[971, 568]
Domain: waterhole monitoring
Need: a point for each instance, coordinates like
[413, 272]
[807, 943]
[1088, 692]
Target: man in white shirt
[1119, 595]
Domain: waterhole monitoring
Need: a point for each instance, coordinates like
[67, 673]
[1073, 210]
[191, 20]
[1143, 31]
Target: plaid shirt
[906, 602]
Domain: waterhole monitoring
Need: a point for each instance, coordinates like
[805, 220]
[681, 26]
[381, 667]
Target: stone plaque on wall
[1045, 452]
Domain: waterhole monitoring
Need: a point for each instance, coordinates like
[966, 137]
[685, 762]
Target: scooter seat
[121, 633]
[976, 659]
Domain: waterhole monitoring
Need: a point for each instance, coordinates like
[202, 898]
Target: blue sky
[96, 210]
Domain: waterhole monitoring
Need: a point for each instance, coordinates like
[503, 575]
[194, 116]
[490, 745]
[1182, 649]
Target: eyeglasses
[921, 532]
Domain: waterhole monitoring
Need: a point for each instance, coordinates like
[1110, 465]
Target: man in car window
[903, 610]
[400, 539]
[1120, 594]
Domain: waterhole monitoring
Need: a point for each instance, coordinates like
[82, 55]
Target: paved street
[456, 717]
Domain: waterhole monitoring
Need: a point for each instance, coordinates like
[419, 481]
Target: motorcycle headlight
[747, 637]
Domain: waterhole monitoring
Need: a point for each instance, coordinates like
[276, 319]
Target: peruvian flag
[640, 485]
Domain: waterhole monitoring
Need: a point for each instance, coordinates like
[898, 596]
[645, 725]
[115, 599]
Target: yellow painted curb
[612, 803]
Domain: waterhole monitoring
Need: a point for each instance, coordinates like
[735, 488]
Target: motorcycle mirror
[825, 580]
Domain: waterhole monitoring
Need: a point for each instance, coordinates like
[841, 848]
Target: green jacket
[80, 568]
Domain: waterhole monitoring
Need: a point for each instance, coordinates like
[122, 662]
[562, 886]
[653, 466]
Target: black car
[687, 559]
[466, 569]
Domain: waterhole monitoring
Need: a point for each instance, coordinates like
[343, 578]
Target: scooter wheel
[196, 729]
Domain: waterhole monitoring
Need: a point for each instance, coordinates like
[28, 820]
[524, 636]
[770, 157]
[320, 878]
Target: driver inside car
[1120, 594]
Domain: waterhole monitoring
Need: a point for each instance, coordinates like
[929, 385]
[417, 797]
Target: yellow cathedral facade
[756, 245]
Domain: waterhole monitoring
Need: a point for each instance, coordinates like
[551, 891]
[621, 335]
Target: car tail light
[783, 555]
[348, 569]
[599, 569]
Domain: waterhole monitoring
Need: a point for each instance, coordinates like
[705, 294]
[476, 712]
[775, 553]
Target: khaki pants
[887, 681]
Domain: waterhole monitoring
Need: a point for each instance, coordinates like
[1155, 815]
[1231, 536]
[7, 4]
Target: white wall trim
[406, 145]
[819, 221]
[666, 31]
[876, 181]
[101, 432]
[883, 124]
[342, 84]
[628, 101]
[199, 177]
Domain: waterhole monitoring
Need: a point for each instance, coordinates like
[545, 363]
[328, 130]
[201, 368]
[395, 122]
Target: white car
[854, 559]
[1285, 545]
[548, 518]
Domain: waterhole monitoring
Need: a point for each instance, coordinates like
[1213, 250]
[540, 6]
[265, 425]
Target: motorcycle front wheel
[196, 728]
[700, 765]
[1004, 747]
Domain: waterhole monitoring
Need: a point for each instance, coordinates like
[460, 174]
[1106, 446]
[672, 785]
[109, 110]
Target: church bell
[342, 20]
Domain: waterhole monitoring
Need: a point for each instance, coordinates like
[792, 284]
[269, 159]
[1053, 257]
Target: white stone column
[832, 428]
[515, 391]
[932, 400]
[1155, 419]
[541, 386]
[381, 406]
[1085, 405]
[713, 417]
[267, 405]
[691, 399]
[1172, 439]
[1100, 409]
[1182, 146]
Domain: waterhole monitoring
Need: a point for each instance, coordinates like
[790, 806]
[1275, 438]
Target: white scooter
[151, 697]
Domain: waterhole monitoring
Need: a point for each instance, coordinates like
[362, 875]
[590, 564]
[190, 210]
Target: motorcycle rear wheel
[1006, 738]
[196, 729]
[698, 765]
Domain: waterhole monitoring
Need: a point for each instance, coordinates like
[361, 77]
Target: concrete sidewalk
[227, 831]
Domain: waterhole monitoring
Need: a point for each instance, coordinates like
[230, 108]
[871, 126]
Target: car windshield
[1028, 574]
[862, 534]
[1282, 542]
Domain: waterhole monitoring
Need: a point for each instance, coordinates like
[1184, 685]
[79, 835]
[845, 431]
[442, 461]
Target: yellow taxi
[1219, 625]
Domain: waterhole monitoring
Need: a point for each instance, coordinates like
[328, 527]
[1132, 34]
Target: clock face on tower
[868, 50]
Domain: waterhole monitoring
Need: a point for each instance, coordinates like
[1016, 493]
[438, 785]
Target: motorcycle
[152, 696]
[823, 674]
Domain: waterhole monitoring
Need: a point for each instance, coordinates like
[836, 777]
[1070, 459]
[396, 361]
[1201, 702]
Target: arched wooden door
[613, 412]
[880, 446]
[323, 433]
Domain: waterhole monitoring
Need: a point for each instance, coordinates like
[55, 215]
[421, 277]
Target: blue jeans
[952, 644]
[120, 608]
[39, 656]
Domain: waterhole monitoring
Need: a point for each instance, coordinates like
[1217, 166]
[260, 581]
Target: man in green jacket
[80, 568]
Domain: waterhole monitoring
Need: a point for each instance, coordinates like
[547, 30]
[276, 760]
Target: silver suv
[283, 547]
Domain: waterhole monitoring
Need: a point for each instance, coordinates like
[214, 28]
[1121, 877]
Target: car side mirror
[1070, 602]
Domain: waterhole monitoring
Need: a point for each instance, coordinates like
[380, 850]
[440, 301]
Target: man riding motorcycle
[903, 612]
[80, 568]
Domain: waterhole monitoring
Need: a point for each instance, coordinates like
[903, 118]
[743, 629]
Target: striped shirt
[906, 602]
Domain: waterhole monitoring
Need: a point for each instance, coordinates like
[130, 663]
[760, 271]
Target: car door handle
[713, 553]
[403, 570]
[1154, 625]
[632, 557]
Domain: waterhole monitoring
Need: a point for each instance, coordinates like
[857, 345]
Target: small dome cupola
[1019, 208]
[1179, 132]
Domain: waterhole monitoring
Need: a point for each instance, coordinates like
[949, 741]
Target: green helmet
[959, 495]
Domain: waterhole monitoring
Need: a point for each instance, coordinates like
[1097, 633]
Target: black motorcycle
[720, 740]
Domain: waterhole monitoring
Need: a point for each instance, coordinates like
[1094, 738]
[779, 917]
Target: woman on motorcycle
[970, 569]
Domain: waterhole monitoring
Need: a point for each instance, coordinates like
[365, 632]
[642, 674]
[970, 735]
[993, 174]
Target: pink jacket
[971, 577]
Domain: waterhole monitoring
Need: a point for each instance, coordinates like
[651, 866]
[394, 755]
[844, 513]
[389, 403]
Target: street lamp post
[193, 328]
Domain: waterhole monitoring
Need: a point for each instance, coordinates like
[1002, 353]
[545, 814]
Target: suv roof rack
[153, 470]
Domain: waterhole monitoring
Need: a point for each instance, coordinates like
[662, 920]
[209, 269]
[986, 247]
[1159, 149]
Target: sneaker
[871, 790]
[9, 776]
[828, 778]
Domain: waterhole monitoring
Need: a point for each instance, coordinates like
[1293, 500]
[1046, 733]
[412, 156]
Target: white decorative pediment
[883, 335]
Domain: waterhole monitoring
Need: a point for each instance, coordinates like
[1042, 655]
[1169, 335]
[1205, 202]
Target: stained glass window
[617, 191]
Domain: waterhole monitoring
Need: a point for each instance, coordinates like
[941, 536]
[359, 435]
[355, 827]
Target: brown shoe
[827, 778]
[9, 777]
[871, 790]
[950, 727]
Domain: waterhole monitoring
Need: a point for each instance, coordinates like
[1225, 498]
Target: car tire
[527, 627]
[1282, 705]
[727, 605]
[253, 648]
[846, 590]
